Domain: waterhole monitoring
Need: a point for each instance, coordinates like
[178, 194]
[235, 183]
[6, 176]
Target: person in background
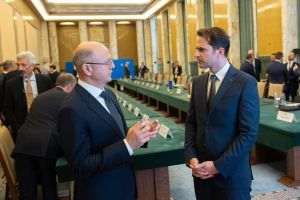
[248, 67]
[93, 131]
[176, 70]
[53, 73]
[276, 71]
[293, 74]
[142, 70]
[256, 64]
[21, 90]
[222, 122]
[126, 71]
[37, 148]
[36, 70]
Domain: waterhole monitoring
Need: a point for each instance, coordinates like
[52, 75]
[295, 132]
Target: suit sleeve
[190, 130]
[76, 143]
[8, 107]
[247, 127]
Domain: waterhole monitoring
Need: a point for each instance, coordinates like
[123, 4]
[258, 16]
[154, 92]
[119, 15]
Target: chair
[182, 80]
[275, 89]
[159, 78]
[7, 162]
[261, 88]
[6, 148]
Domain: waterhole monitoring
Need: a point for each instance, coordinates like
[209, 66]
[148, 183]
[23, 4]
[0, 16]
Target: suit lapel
[203, 92]
[93, 104]
[226, 84]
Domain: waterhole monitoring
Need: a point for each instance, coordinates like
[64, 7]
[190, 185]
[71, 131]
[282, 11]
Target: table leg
[293, 168]
[153, 184]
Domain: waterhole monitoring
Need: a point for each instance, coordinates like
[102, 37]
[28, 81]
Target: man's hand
[203, 170]
[140, 133]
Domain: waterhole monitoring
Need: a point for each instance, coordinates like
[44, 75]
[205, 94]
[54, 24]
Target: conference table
[275, 134]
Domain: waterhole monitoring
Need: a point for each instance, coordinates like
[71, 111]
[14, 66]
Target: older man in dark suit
[222, 122]
[21, 90]
[37, 146]
[293, 74]
[93, 131]
[248, 66]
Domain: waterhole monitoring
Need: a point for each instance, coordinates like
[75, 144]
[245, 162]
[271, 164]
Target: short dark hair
[278, 55]
[8, 64]
[216, 37]
[65, 79]
[52, 66]
[248, 56]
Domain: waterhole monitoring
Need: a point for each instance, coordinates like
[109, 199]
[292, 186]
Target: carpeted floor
[265, 185]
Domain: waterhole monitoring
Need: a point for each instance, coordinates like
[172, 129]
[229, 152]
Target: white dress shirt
[95, 92]
[220, 75]
[32, 81]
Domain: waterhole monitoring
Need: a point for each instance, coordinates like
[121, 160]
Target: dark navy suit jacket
[94, 147]
[277, 73]
[248, 68]
[227, 133]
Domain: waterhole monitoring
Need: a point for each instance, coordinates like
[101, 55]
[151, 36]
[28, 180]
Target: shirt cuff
[130, 151]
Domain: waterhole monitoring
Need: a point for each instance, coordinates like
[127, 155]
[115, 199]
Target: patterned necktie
[113, 110]
[29, 94]
[212, 91]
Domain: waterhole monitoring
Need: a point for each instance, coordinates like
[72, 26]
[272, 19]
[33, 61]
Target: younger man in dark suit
[21, 90]
[37, 147]
[276, 71]
[53, 73]
[248, 66]
[222, 122]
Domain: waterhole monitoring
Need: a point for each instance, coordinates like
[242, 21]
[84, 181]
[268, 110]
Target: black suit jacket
[15, 106]
[257, 63]
[248, 68]
[38, 135]
[227, 133]
[93, 145]
[277, 73]
[53, 76]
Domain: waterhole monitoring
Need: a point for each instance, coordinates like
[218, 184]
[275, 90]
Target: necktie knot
[105, 95]
[213, 77]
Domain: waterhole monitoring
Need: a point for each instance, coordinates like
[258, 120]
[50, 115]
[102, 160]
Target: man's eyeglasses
[100, 63]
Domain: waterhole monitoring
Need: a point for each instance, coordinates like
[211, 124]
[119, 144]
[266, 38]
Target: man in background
[37, 147]
[256, 64]
[21, 90]
[293, 73]
[53, 73]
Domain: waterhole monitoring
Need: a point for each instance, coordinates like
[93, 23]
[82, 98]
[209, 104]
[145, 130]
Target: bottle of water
[276, 100]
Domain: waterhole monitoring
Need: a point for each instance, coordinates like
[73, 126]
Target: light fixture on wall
[27, 18]
[66, 23]
[96, 23]
[123, 22]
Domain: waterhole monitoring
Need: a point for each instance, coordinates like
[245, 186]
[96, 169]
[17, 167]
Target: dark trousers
[208, 190]
[32, 171]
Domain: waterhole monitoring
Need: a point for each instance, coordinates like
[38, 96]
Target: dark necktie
[113, 110]
[212, 91]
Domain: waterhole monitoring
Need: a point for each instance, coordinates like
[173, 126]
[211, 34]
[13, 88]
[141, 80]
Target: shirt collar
[32, 78]
[222, 72]
[94, 91]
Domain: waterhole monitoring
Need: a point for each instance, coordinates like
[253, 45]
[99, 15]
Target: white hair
[29, 56]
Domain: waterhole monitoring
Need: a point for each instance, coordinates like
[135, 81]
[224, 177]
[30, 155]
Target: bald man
[94, 134]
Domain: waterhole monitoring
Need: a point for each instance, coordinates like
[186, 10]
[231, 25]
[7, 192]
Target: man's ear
[86, 69]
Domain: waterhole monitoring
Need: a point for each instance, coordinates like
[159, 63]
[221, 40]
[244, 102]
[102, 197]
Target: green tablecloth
[273, 133]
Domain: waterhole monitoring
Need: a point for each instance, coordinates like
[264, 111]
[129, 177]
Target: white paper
[285, 116]
[130, 107]
[164, 131]
[136, 111]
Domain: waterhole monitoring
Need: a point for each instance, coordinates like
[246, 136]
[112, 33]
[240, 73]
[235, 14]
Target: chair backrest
[261, 88]
[183, 80]
[159, 78]
[275, 89]
[6, 147]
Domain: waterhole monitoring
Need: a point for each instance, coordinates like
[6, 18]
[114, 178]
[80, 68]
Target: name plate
[178, 91]
[124, 103]
[130, 107]
[152, 86]
[136, 111]
[286, 116]
[121, 87]
[165, 132]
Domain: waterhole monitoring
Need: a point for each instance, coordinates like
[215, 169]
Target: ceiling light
[66, 23]
[124, 22]
[96, 23]
[118, 2]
